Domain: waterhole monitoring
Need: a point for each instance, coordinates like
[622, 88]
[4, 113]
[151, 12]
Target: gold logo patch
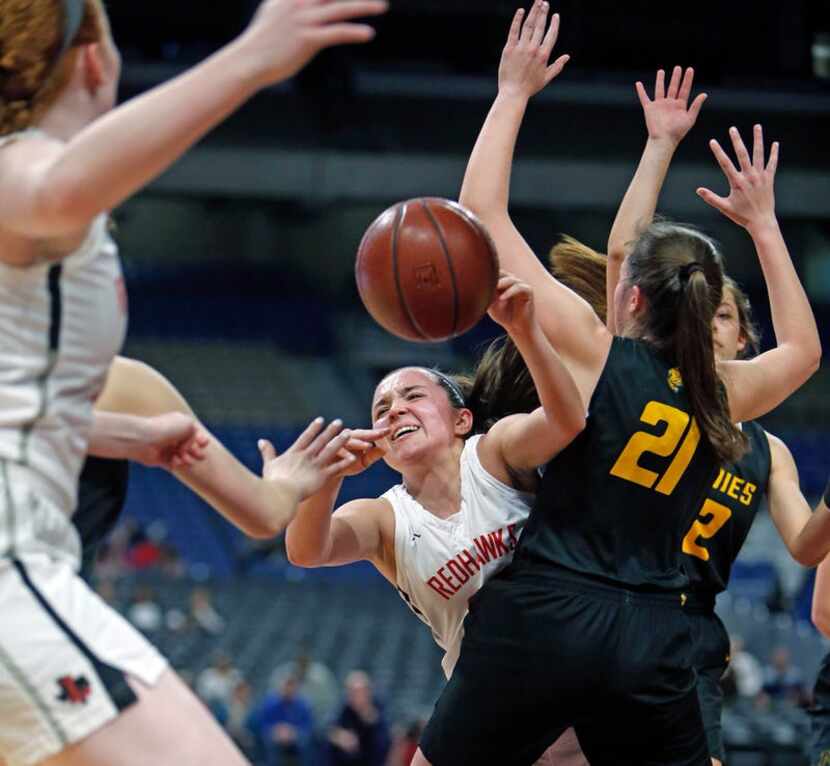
[675, 380]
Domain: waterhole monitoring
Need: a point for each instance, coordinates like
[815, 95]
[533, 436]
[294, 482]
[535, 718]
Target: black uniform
[711, 546]
[820, 717]
[102, 491]
[586, 627]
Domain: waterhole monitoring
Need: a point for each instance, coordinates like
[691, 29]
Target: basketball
[426, 269]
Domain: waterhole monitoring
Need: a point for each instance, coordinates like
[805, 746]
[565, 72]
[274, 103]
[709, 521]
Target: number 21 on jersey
[628, 466]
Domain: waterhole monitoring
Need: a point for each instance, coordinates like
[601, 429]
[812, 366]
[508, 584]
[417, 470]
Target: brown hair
[749, 329]
[680, 273]
[499, 386]
[581, 269]
[33, 72]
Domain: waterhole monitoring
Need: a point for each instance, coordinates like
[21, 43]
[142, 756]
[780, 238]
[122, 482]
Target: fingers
[659, 85]
[515, 27]
[308, 436]
[740, 149]
[329, 432]
[641, 94]
[530, 22]
[694, 109]
[725, 163]
[330, 35]
[686, 86]
[344, 462]
[710, 198]
[674, 83]
[333, 446]
[555, 69]
[344, 10]
[758, 148]
[539, 28]
[772, 165]
[369, 434]
[266, 449]
[551, 34]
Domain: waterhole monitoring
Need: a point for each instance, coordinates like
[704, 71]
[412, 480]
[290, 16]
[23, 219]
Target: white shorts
[64, 658]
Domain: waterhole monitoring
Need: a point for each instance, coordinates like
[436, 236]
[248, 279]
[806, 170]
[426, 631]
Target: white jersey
[441, 563]
[61, 324]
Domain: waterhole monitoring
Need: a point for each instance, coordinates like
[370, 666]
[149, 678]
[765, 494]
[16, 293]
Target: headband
[457, 398]
[73, 10]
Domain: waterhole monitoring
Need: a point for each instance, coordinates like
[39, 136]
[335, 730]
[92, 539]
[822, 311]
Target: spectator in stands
[318, 684]
[203, 613]
[237, 722]
[782, 679]
[406, 743]
[216, 683]
[744, 676]
[284, 723]
[360, 734]
[144, 611]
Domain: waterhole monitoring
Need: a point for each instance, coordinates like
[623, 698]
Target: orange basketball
[426, 269]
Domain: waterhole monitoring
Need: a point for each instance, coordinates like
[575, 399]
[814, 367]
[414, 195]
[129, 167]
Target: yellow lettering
[748, 493]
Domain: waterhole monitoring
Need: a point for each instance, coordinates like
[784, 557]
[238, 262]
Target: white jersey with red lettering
[441, 563]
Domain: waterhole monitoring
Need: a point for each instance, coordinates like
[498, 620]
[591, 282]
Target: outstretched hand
[669, 116]
[311, 460]
[524, 68]
[751, 200]
[367, 446]
[513, 306]
[286, 34]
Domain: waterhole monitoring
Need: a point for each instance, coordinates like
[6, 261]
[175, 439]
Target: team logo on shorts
[74, 690]
[675, 380]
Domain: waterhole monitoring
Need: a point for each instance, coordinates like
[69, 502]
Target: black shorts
[820, 717]
[546, 650]
[710, 660]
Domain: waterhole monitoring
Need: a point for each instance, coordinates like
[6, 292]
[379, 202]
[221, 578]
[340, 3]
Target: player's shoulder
[777, 447]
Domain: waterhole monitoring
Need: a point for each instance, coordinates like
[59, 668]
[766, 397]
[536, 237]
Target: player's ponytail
[581, 269]
[680, 273]
[37, 56]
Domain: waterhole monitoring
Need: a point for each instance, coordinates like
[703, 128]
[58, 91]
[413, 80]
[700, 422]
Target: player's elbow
[301, 558]
[574, 426]
[616, 253]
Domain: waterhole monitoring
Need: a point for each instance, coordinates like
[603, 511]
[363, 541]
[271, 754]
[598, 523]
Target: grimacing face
[416, 408]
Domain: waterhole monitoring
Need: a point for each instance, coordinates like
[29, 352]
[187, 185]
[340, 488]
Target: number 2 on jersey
[628, 467]
[718, 516]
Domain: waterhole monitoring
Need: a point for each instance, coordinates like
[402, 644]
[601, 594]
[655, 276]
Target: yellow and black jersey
[618, 501]
[715, 537]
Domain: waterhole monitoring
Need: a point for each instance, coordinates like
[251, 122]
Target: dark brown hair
[679, 271]
[33, 73]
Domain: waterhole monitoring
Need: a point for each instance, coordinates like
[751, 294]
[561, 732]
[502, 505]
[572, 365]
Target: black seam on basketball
[482, 230]
[398, 218]
[445, 249]
[112, 679]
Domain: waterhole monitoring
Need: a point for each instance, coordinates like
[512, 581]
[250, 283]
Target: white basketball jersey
[61, 324]
[441, 563]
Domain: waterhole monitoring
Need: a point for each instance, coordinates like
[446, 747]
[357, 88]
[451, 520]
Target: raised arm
[805, 533]
[568, 321]
[522, 442]
[758, 385]
[259, 507]
[668, 119]
[50, 189]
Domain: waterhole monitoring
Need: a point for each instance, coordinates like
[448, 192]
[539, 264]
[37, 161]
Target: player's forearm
[636, 210]
[308, 537]
[118, 436]
[486, 186]
[792, 317]
[121, 152]
[558, 394]
[261, 509]
[821, 591]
